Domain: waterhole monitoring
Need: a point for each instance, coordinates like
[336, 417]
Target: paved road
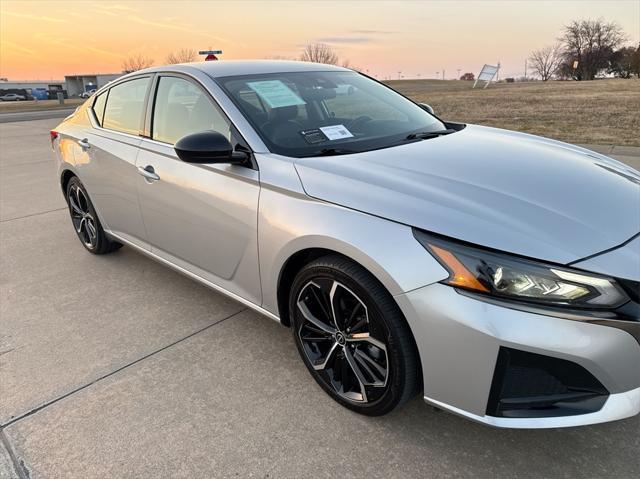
[14, 116]
[116, 367]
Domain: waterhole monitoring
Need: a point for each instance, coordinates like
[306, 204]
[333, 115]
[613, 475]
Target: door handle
[148, 173]
[84, 143]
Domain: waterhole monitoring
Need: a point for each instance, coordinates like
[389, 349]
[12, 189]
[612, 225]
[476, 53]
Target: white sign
[486, 74]
[275, 93]
[336, 132]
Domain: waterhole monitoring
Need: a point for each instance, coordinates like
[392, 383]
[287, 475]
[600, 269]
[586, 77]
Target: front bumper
[460, 338]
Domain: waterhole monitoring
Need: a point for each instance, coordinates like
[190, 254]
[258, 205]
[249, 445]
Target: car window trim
[93, 103]
[143, 116]
[153, 93]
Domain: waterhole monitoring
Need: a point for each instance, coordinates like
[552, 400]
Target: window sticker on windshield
[336, 132]
[275, 93]
[313, 136]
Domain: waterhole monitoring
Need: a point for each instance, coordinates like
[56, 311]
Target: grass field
[601, 112]
[594, 112]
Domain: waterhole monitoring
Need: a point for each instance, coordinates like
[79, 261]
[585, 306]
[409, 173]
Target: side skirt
[197, 278]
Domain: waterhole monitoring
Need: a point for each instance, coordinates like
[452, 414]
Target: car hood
[500, 189]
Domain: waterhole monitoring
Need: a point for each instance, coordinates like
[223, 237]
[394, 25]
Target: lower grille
[533, 385]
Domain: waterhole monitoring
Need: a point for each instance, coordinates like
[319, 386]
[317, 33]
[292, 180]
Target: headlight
[510, 277]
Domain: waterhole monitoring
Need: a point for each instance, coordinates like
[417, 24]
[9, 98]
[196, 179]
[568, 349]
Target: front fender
[291, 222]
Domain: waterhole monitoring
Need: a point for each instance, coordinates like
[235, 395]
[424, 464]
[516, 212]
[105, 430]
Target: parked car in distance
[12, 97]
[88, 93]
[494, 272]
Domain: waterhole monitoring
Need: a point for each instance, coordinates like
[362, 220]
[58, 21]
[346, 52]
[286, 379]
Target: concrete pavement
[10, 117]
[116, 366]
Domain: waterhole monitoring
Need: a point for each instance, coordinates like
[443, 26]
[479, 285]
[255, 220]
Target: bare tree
[184, 55]
[280, 57]
[545, 62]
[635, 61]
[346, 63]
[319, 53]
[136, 62]
[591, 44]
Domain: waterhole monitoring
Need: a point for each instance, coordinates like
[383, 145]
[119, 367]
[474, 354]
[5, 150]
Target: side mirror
[427, 108]
[208, 146]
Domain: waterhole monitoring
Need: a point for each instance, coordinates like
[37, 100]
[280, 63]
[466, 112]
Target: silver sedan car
[496, 273]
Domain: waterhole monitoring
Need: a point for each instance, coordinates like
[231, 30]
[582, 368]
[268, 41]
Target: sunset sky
[50, 39]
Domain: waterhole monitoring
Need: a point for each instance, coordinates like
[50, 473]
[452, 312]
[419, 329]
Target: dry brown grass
[592, 112]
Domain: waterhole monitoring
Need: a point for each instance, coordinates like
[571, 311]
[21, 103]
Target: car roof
[224, 68]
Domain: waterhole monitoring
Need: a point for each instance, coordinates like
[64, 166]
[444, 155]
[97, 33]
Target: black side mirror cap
[208, 146]
[427, 108]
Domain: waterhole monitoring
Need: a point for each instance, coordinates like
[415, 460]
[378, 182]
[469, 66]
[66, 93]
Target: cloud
[31, 16]
[345, 40]
[63, 42]
[19, 48]
[373, 32]
[120, 8]
[115, 10]
[169, 25]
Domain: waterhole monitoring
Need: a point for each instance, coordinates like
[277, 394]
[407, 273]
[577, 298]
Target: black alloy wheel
[352, 336]
[85, 220]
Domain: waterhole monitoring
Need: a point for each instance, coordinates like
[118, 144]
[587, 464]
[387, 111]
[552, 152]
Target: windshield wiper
[425, 135]
[333, 152]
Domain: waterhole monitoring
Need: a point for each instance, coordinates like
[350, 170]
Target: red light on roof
[210, 54]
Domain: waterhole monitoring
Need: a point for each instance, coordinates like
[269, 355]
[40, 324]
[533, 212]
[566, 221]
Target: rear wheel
[352, 336]
[85, 220]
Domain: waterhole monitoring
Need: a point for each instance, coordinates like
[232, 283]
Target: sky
[49, 39]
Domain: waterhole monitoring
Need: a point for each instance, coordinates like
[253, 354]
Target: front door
[202, 218]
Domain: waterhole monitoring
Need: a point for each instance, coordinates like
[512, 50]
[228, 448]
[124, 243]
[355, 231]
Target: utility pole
[437, 75]
[525, 69]
[458, 78]
[443, 73]
[399, 72]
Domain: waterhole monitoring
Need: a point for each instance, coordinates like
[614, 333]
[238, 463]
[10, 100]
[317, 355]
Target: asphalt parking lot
[115, 367]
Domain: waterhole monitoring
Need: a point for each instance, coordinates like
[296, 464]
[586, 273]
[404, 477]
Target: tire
[85, 220]
[361, 352]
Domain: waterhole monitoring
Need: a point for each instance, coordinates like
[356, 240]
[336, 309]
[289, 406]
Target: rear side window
[125, 106]
[182, 108]
[98, 106]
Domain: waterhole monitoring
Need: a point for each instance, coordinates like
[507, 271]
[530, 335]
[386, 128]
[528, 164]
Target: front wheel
[85, 220]
[352, 336]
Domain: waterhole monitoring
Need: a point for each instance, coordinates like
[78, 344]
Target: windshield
[318, 113]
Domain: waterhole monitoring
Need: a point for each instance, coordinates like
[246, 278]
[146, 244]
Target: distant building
[72, 85]
[77, 84]
[32, 85]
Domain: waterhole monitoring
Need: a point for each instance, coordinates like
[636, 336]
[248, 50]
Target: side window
[98, 106]
[182, 108]
[125, 105]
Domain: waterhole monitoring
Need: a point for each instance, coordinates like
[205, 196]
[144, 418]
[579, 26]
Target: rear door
[202, 218]
[107, 163]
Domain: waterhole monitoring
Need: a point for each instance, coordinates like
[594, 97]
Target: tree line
[585, 50]
[313, 52]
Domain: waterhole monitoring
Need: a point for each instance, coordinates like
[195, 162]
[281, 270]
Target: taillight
[53, 134]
